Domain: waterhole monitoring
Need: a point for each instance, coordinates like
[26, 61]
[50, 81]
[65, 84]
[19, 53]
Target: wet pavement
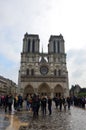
[73, 119]
[14, 120]
[4, 121]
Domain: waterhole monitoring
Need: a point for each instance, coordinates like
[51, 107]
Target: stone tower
[43, 73]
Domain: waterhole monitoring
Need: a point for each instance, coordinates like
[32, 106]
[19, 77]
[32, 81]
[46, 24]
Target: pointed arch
[28, 90]
[44, 89]
[58, 90]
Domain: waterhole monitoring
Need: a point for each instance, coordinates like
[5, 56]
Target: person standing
[60, 103]
[20, 102]
[6, 103]
[15, 102]
[50, 105]
[64, 103]
[34, 105]
[44, 103]
[68, 102]
[10, 102]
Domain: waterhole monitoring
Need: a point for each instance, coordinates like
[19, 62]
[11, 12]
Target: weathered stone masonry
[43, 73]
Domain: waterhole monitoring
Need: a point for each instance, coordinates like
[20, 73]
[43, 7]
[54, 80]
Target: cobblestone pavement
[4, 121]
[14, 120]
[73, 119]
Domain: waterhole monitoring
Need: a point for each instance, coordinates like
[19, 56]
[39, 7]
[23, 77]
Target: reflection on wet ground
[4, 121]
[13, 121]
[74, 119]
[59, 120]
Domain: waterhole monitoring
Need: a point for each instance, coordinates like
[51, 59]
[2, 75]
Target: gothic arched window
[28, 45]
[59, 72]
[55, 72]
[58, 47]
[54, 46]
[27, 71]
[32, 71]
[33, 45]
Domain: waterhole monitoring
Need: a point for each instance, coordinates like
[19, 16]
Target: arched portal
[44, 90]
[58, 90]
[28, 90]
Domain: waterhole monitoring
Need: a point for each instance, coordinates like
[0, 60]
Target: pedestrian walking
[64, 103]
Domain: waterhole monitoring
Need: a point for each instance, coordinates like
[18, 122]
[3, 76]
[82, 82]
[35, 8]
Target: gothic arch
[28, 90]
[58, 90]
[44, 89]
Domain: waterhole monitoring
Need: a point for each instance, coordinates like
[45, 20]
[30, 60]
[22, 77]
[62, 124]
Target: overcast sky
[43, 17]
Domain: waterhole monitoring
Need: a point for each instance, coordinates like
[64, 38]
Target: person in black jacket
[68, 102]
[60, 103]
[50, 105]
[35, 105]
[43, 104]
[6, 103]
[10, 102]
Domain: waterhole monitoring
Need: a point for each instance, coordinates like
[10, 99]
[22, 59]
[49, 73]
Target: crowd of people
[79, 101]
[6, 102]
[35, 103]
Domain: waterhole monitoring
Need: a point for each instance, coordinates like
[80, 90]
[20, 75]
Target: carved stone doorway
[58, 91]
[28, 90]
[44, 90]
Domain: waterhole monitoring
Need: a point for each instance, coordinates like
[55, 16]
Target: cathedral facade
[43, 73]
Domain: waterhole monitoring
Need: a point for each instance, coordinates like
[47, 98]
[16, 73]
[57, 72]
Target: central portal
[44, 90]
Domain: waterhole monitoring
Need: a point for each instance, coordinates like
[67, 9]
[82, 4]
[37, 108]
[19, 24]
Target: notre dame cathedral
[43, 73]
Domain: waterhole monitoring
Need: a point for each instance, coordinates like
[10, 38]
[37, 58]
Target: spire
[42, 57]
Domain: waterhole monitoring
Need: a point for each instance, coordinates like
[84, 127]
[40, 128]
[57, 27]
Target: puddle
[15, 123]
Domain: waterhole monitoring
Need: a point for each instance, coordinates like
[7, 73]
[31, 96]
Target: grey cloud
[76, 60]
[79, 56]
[11, 72]
[40, 16]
